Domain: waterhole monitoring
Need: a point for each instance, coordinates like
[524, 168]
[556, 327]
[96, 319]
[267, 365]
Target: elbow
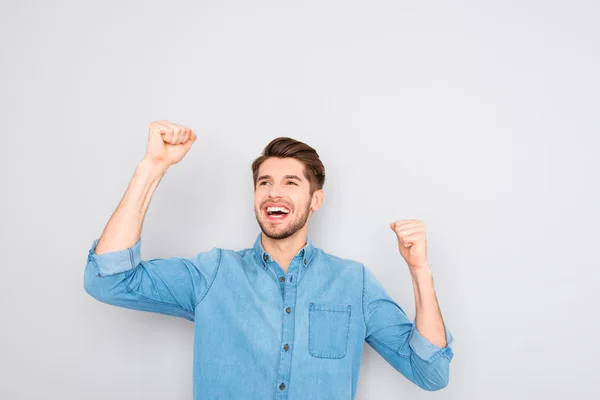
[99, 287]
[435, 385]
[432, 376]
[90, 281]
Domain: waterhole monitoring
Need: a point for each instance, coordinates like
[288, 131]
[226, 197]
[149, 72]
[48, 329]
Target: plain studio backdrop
[479, 118]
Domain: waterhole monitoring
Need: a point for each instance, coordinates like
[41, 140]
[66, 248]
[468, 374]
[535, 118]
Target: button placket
[287, 336]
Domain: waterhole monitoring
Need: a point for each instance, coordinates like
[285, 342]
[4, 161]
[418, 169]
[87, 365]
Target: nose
[276, 190]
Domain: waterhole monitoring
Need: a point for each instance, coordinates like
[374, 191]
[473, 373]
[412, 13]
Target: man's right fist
[168, 142]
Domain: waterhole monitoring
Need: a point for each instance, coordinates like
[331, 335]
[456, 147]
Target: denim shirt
[261, 333]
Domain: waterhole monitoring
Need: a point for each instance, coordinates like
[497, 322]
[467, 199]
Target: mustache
[273, 201]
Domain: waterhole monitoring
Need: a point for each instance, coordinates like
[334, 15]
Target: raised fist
[168, 142]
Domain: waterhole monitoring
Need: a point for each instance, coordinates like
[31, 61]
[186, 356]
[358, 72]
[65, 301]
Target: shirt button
[286, 347]
[282, 386]
[265, 257]
[281, 279]
[305, 262]
[288, 310]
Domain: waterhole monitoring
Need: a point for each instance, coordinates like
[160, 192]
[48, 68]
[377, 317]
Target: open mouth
[277, 213]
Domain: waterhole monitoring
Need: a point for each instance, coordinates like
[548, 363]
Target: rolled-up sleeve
[428, 351]
[172, 286]
[115, 262]
[396, 338]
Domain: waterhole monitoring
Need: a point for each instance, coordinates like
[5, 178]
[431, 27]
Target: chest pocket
[328, 326]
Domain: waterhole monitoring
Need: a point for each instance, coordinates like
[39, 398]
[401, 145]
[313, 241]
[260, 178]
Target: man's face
[282, 200]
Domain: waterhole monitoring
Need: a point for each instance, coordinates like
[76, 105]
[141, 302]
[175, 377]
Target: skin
[412, 244]
[284, 239]
[168, 143]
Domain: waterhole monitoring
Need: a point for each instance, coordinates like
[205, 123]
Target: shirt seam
[130, 290]
[390, 348]
[131, 258]
[362, 303]
[213, 278]
[129, 273]
[261, 263]
[435, 355]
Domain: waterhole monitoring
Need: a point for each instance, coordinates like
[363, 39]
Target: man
[282, 319]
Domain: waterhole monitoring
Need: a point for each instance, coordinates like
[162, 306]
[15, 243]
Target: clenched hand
[168, 143]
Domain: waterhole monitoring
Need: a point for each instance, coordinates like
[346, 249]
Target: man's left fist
[411, 242]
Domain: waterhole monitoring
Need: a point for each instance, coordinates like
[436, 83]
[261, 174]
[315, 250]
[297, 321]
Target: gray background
[478, 118]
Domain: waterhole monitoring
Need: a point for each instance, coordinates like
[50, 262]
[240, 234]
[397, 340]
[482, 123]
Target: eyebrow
[285, 177]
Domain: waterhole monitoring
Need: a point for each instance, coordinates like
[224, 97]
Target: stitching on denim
[389, 348]
[449, 358]
[332, 308]
[436, 355]
[319, 354]
[212, 279]
[258, 259]
[130, 290]
[293, 335]
[131, 258]
[172, 294]
[362, 303]
[91, 258]
[279, 351]
[126, 281]
[100, 274]
[309, 259]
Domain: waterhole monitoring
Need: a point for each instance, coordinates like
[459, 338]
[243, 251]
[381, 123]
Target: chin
[278, 232]
[278, 235]
[283, 229]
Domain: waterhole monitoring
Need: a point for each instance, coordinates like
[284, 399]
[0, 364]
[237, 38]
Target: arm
[115, 273]
[172, 286]
[400, 342]
[124, 228]
[429, 317]
[167, 144]
[421, 351]
[412, 243]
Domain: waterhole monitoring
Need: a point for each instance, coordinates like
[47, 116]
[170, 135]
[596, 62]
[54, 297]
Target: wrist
[419, 272]
[153, 166]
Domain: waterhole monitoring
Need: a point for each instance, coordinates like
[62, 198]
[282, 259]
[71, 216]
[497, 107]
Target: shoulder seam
[212, 280]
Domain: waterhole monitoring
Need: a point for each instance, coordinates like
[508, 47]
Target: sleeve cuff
[426, 350]
[115, 261]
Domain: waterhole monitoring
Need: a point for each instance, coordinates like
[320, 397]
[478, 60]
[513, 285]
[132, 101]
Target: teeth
[272, 209]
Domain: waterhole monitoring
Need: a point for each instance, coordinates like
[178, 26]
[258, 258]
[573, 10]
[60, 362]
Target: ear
[317, 199]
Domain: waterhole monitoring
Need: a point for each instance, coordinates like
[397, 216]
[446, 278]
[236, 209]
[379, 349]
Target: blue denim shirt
[261, 333]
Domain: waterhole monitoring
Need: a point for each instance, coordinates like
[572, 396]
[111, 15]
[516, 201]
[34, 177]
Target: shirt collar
[305, 253]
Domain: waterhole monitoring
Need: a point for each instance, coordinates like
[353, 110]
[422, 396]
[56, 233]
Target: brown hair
[283, 147]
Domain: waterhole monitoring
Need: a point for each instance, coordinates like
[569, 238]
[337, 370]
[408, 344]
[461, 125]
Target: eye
[293, 183]
[262, 183]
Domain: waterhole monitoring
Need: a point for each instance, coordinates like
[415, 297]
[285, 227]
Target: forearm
[124, 228]
[428, 315]
[403, 345]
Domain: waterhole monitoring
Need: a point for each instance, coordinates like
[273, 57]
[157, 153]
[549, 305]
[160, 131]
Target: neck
[283, 250]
